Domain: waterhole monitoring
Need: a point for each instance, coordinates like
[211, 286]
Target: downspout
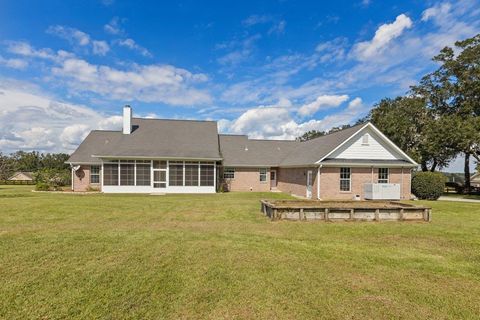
[71, 169]
[318, 182]
[401, 187]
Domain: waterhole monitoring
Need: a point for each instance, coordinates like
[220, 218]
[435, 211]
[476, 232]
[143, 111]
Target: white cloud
[148, 83]
[278, 28]
[113, 27]
[72, 35]
[25, 49]
[439, 10]
[32, 121]
[322, 102]
[240, 50]
[100, 47]
[255, 19]
[383, 36]
[132, 45]
[13, 63]
[277, 122]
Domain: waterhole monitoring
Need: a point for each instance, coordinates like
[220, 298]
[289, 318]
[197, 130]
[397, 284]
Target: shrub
[53, 178]
[42, 186]
[428, 185]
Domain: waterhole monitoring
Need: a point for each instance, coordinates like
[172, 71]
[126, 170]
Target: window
[110, 174]
[345, 179]
[175, 176]
[143, 173]
[207, 174]
[191, 173]
[365, 139]
[263, 175]
[95, 174]
[159, 164]
[382, 175]
[127, 174]
[229, 173]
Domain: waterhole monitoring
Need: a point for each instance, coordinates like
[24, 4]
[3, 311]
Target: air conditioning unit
[382, 191]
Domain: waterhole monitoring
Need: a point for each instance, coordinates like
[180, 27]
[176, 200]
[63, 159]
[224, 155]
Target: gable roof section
[238, 150]
[152, 138]
[383, 137]
[309, 152]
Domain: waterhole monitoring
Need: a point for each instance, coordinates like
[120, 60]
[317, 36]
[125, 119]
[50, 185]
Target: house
[188, 156]
[22, 176]
[475, 180]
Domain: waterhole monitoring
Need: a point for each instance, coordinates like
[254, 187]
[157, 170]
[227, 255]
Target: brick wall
[330, 182]
[248, 179]
[294, 181]
[81, 179]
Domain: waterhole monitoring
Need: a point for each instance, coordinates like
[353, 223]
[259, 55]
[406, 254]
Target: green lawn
[462, 196]
[215, 256]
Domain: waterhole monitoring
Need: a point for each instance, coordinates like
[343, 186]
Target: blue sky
[270, 69]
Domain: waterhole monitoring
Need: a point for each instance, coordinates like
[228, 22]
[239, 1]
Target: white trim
[318, 181]
[376, 130]
[308, 193]
[155, 158]
[367, 165]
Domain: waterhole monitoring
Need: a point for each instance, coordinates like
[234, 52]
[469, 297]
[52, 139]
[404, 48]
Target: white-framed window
[228, 173]
[95, 174]
[383, 175]
[345, 179]
[365, 139]
[263, 174]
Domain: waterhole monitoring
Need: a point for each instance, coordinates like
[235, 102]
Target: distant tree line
[439, 118]
[32, 162]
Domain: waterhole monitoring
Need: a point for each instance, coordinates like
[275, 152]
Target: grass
[462, 196]
[215, 256]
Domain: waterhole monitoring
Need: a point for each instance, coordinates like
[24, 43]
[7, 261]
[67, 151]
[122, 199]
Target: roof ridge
[338, 131]
[192, 120]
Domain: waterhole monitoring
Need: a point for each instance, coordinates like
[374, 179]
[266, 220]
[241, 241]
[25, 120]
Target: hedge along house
[185, 156]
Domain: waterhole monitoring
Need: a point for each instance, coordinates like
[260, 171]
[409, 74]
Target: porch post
[71, 168]
[215, 176]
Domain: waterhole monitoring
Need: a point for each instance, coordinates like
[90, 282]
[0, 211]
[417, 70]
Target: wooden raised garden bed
[311, 210]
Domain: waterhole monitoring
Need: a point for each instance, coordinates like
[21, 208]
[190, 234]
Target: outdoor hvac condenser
[382, 191]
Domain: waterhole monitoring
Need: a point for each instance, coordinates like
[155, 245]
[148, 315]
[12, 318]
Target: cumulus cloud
[277, 121]
[439, 10]
[113, 27]
[25, 49]
[322, 102]
[148, 83]
[100, 47]
[72, 35]
[383, 36]
[13, 63]
[32, 121]
[132, 45]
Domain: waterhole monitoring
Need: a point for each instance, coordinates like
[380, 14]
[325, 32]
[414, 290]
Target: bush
[42, 186]
[53, 178]
[428, 185]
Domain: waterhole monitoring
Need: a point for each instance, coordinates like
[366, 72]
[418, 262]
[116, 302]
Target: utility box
[382, 191]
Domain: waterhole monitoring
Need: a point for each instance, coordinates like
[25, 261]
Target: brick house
[186, 156]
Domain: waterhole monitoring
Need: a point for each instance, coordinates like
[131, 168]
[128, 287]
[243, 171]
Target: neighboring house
[187, 156]
[475, 180]
[22, 176]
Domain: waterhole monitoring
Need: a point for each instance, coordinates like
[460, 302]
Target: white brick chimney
[127, 119]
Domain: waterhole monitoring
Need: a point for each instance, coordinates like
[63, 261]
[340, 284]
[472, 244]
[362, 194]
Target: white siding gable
[357, 148]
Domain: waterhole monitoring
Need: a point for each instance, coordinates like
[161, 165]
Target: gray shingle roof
[153, 138]
[309, 152]
[238, 150]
